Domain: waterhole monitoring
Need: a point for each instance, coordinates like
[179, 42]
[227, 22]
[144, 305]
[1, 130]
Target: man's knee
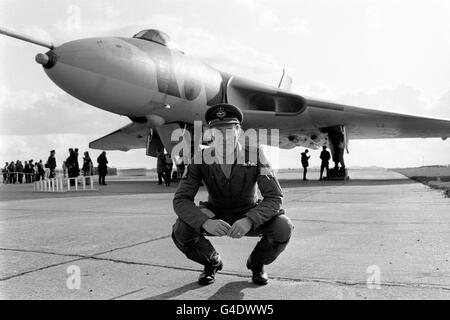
[183, 233]
[280, 229]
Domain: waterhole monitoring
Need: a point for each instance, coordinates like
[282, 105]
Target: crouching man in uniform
[232, 208]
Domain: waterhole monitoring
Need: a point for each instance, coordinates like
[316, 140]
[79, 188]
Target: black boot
[265, 252]
[201, 251]
[208, 275]
[259, 277]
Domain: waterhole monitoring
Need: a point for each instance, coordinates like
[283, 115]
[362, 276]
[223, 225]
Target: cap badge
[221, 113]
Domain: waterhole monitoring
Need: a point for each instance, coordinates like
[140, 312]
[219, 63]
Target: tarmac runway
[377, 236]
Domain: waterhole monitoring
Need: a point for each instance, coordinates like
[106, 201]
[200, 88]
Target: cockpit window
[154, 36]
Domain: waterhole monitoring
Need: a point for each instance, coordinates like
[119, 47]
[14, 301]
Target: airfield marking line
[364, 283]
[133, 245]
[374, 202]
[38, 269]
[44, 252]
[86, 194]
[75, 211]
[240, 275]
[365, 222]
[77, 256]
[126, 294]
[280, 278]
[310, 194]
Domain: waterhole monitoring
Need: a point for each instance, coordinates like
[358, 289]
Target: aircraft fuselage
[134, 78]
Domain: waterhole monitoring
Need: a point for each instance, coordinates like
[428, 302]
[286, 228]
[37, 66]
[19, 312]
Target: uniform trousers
[275, 235]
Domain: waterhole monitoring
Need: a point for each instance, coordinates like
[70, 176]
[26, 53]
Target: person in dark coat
[305, 163]
[87, 165]
[180, 169]
[19, 170]
[233, 208]
[325, 157]
[51, 164]
[40, 170]
[77, 164]
[160, 166]
[73, 169]
[102, 168]
[168, 165]
[12, 172]
[32, 171]
[27, 172]
[5, 173]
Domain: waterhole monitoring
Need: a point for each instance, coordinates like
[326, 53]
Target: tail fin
[285, 81]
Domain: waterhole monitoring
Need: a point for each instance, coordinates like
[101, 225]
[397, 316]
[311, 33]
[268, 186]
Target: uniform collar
[237, 151]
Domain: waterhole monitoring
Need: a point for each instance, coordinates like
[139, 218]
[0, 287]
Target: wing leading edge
[363, 123]
[360, 123]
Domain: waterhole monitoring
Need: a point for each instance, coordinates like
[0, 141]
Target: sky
[388, 55]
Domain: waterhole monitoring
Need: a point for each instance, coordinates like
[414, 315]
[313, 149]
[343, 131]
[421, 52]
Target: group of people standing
[14, 172]
[72, 169]
[325, 162]
[164, 168]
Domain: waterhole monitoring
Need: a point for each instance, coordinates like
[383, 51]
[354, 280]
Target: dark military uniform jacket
[51, 162]
[305, 160]
[235, 196]
[325, 157]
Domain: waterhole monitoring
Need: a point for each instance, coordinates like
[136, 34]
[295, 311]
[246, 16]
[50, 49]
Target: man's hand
[240, 228]
[216, 227]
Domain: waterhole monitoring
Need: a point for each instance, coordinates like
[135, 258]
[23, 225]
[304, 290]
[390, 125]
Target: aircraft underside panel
[138, 136]
[305, 126]
[131, 136]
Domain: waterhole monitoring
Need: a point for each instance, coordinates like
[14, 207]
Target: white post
[76, 183]
[91, 182]
[68, 184]
[84, 182]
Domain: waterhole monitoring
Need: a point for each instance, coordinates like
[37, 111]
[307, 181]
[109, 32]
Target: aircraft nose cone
[48, 60]
[104, 72]
[42, 58]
